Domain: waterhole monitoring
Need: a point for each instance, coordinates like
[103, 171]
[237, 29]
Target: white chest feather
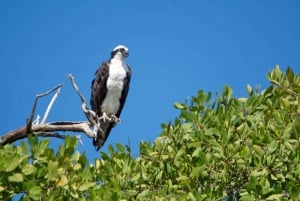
[114, 84]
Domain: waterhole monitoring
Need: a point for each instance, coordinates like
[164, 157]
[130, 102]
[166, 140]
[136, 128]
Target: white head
[120, 51]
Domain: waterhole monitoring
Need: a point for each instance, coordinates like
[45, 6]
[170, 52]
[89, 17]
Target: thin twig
[50, 106]
[71, 77]
[29, 121]
[37, 120]
[90, 115]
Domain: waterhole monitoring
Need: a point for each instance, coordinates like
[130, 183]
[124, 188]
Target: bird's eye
[122, 49]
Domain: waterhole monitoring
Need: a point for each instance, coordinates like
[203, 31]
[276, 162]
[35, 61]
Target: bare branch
[65, 126]
[37, 120]
[90, 115]
[50, 106]
[34, 127]
[47, 130]
[50, 134]
[71, 77]
[29, 121]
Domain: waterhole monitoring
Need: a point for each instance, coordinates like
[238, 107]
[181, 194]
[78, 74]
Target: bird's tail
[102, 134]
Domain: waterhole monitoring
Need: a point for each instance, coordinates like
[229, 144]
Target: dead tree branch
[50, 105]
[47, 130]
[90, 115]
[34, 127]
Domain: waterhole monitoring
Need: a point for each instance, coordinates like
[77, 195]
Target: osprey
[109, 91]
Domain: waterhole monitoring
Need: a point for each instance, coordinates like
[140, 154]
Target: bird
[109, 90]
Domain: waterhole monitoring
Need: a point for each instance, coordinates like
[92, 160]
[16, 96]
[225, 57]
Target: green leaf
[248, 198]
[245, 152]
[75, 156]
[62, 181]
[17, 177]
[33, 141]
[44, 144]
[35, 193]
[290, 75]
[209, 132]
[259, 150]
[182, 178]
[296, 126]
[275, 197]
[249, 89]
[12, 164]
[144, 193]
[179, 154]
[276, 73]
[24, 147]
[188, 116]
[29, 169]
[70, 142]
[273, 146]
[197, 152]
[227, 92]
[86, 186]
[120, 147]
[52, 170]
[191, 196]
[111, 150]
[196, 172]
[179, 106]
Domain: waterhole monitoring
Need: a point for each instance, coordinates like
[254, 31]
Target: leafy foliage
[223, 149]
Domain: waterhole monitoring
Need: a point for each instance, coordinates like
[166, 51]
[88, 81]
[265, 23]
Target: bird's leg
[92, 117]
[97, 128]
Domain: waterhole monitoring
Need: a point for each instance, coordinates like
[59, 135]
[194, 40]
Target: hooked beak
[125, 54]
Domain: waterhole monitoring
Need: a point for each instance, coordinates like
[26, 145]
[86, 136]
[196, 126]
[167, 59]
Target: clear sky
[176, 48]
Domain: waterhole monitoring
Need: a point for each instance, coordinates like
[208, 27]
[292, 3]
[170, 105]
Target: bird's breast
[114, 86]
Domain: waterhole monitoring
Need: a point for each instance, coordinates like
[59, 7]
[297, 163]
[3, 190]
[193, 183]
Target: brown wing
[126, 83]
[97, 97]
[99, 88]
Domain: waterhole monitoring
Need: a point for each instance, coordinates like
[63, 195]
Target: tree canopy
[222, 148]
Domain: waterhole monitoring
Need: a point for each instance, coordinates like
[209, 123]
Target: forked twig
[90, 115]
[50, 105]
[30, 120]
[39, 96]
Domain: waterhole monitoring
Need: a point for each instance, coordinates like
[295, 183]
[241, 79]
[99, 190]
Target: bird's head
[120, 51]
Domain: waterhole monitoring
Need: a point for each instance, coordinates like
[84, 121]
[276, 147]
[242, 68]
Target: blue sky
[176, 48]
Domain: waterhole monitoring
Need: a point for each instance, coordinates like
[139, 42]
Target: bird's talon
[115, 119]
[104, 117]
